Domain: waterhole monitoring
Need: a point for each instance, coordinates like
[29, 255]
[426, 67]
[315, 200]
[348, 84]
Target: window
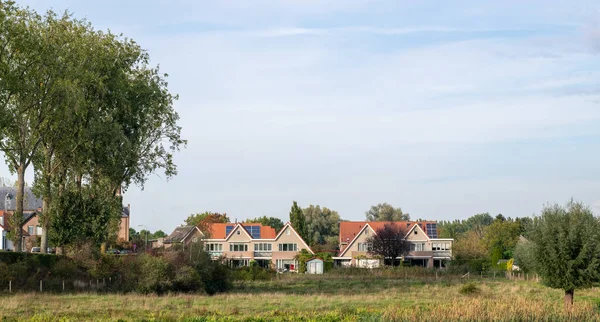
[38, 230]
[287, 231]
[238, 247]
[444, 246]
[262, 247]
[30, 230]
[213, 247]
[239, 232]
[417, 247]
[2, 220]
[367, 232]
[288, 264]
[288, 247]
[365, 247]
[415, 231]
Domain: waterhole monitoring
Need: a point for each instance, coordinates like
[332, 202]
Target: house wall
[353, 251]
[123, 234]
[274, 254]
[34, 221]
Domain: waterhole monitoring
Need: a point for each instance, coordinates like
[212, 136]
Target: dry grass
[317, 299]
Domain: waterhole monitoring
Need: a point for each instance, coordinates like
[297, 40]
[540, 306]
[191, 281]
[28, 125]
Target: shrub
[187, 280]
[253, 273]
[469, 288]
[156, 275]
[214, 276]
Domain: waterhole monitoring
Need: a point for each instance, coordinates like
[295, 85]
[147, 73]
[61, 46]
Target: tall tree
[386, 212]
[207, 217]
[203, 220]
[567, 248]
[500, 238]
[274, 222]
[112, 121]
[22, 92]
[298, 221]
[323, 225]
[389, 242]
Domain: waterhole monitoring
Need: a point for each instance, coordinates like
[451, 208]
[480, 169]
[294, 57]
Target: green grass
[316, 298]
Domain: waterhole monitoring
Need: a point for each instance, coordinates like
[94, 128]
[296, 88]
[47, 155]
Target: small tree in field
[389, 242]
[566, 248]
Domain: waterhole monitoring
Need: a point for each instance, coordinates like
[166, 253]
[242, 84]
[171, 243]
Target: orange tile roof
[217, 230]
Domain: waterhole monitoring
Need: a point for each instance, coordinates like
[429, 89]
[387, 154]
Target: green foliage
[253, 273]
[322, 226]
[298, 221]
[500, 238]
[206, 217]
[82, 216]
[386, 212]
[469, 288]
[566, 246]
[274, 222]
[525, 256]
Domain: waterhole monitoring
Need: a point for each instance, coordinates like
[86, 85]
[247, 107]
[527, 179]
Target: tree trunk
[569, 294]
[18, 215]
[46, 201]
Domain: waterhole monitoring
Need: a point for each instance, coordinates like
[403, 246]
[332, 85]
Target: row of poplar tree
[85, 109]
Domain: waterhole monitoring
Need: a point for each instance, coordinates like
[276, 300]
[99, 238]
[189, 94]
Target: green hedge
[46, 260]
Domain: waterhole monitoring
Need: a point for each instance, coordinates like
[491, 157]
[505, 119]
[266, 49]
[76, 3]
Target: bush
[156, 275]
[214, 276]
[469, 288]
[187, 279]
[253, 273]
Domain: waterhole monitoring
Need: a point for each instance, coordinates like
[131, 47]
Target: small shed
[314, 266]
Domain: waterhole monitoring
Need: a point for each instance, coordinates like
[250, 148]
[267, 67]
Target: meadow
[318, 298]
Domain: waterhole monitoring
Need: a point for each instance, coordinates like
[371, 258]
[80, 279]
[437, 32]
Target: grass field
[318, 298]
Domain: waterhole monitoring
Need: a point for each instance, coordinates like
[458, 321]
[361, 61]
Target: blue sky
[443, 109]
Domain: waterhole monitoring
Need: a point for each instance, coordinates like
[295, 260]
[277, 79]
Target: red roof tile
[217, 230]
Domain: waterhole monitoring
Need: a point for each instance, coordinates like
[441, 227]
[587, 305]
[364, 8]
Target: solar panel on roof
[228, 229]
[254, 231]
[432, 230]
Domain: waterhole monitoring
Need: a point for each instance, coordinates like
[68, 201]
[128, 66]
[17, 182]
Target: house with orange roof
[240, 243]
[426, 249]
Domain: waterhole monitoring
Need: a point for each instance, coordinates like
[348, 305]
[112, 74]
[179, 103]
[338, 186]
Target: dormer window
[8, 201]
[239, 232]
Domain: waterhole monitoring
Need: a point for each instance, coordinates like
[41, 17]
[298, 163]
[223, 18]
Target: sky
[445, 109]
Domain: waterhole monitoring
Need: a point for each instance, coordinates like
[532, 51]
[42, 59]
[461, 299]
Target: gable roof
[350, 229]
[218, 230]
[30, 202]
[179, 234]
[295, 232]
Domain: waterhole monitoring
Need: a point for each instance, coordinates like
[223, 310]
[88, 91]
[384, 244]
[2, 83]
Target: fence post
[9, 286]
[63, 285]
[96, 284]
[40, 285]
[494, 274]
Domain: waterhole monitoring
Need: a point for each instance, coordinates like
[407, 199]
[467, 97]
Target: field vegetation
[330, 297]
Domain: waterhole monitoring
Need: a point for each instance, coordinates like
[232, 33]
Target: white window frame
[238, 247]
[30, 230]
[365, 247]
[263, 247]
[288, 247]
